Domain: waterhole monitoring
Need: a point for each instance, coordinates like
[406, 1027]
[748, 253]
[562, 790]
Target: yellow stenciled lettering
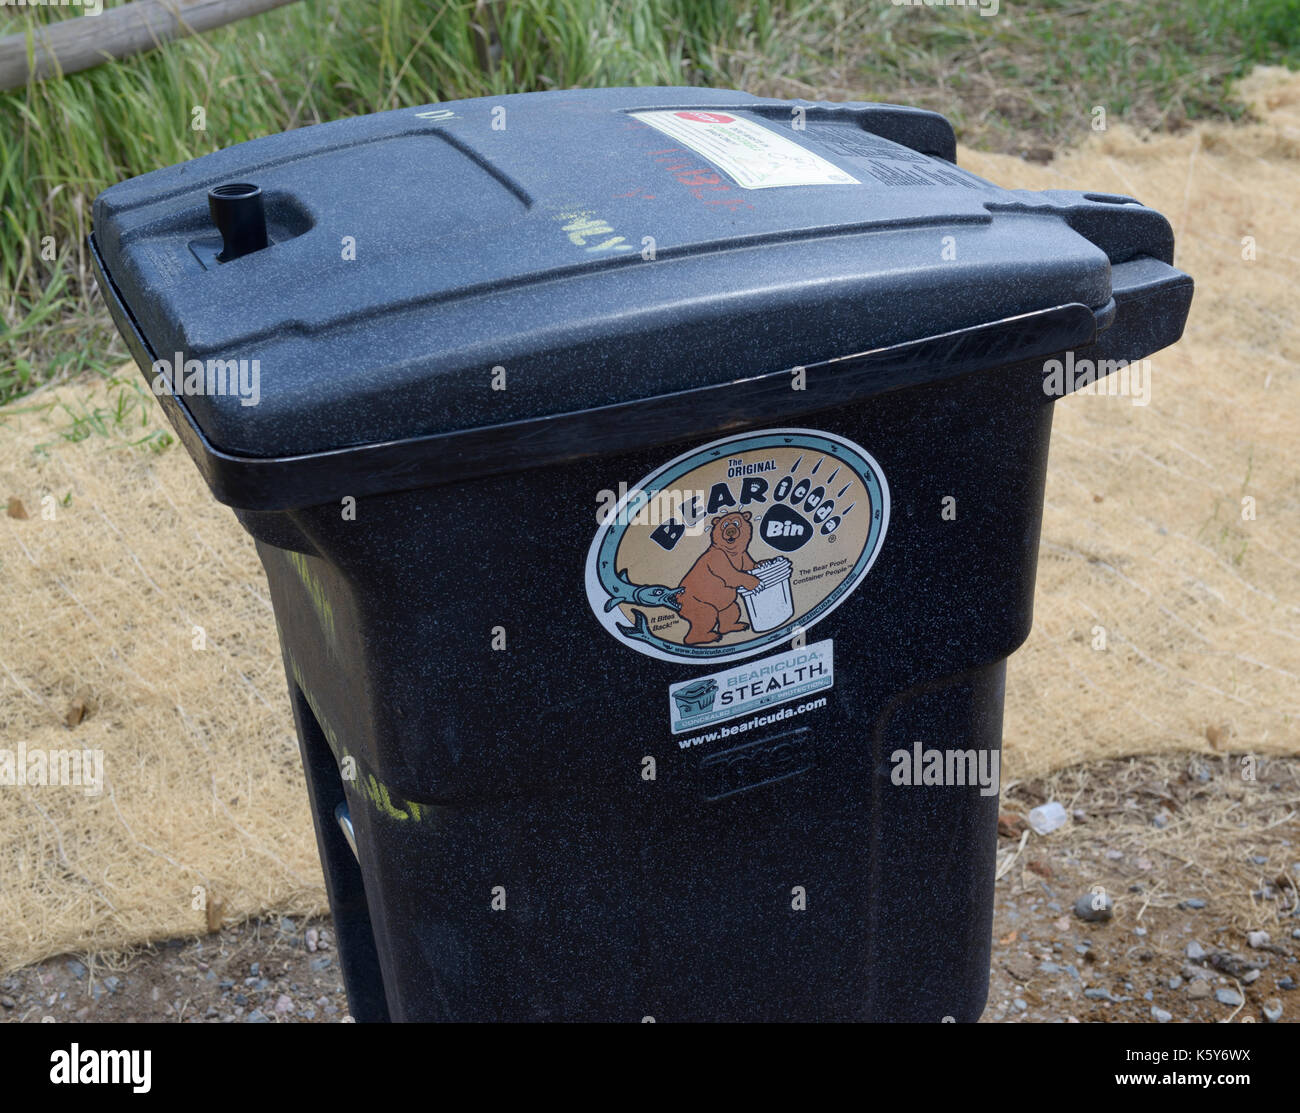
[315, 592]
[387, 805]
[370, 787]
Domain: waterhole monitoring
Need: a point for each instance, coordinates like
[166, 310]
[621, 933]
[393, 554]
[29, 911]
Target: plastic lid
[490, 261]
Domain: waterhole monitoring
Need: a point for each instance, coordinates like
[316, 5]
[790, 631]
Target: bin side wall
[517, 862]
[398, 625]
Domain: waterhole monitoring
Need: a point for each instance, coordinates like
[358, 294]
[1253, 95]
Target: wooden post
[80, 42]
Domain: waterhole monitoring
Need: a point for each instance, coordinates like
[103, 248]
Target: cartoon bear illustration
[708, 591]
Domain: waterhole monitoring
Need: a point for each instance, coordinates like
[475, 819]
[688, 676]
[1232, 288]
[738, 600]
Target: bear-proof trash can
[648, 482]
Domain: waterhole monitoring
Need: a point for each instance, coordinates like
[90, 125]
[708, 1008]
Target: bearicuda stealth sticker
[738, 545]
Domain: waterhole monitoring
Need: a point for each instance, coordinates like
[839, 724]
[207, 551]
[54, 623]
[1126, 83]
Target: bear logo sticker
[738, 545]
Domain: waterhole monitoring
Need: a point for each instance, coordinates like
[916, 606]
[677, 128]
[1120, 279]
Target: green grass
[1024, 79]
[1029, 76]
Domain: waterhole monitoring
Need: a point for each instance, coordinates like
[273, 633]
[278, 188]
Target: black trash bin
[649, 485]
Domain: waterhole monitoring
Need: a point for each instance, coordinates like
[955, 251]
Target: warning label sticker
[755, 156]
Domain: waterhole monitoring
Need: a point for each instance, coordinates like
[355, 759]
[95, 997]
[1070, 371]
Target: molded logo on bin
[738, 545]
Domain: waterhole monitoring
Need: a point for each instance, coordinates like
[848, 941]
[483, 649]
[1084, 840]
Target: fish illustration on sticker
[738, 545]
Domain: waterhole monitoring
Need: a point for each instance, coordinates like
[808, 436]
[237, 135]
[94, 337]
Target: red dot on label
[706, 117]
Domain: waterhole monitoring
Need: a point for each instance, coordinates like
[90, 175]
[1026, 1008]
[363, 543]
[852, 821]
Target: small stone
[284, 1004]
[1259, 859]
[1192, 902]
[1054, 906]
[1228, 997]
[1257, 939]
[1160, 819]
[1175, 981]
[1020, 1004]
[1286, 982]
[258, 1017]
[1232, 964]
[1020, 967]
[1272, 1009]
[1048, 968]
[1139, 931]
[1198, 990]
[1114, 855]
[75, 968]
[212, 1011]
[255, 968]
[1094, 907]
[1250, 976]
[1010, 825]
[1144, 864]
[112, 983]
[8, 1002]
[1195, 951]
[319, 963]
[1148, 996]
[1161, 1015]
[311, 939]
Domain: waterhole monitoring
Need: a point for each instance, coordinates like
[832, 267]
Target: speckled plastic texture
[515, 863]
[463, 261]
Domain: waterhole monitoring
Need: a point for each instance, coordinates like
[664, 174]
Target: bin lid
[488, 261]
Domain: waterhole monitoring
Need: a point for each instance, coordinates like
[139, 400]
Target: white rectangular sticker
[755, 156]
[752, 687]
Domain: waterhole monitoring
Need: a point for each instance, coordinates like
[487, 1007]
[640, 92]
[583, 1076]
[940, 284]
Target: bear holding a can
[708, 590]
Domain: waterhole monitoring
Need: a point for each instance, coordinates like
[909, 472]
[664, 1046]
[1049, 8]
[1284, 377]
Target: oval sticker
[738, 545]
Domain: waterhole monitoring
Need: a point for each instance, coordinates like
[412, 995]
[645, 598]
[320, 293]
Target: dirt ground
[1194, 856]
[260, 971]
[1201, 860]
